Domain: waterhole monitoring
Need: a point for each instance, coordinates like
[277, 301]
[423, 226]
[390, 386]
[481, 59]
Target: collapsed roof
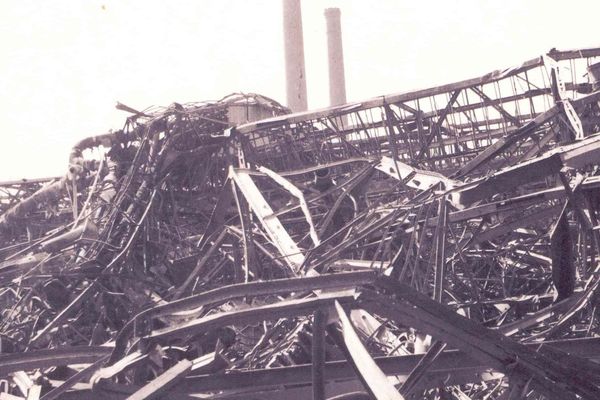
[441, 243]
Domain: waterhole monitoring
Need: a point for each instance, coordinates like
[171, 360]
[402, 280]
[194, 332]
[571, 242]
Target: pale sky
[64, 64]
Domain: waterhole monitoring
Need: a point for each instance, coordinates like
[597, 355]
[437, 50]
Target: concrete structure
[294, 56]
[335, 51]
[248, 107]
[594, 75]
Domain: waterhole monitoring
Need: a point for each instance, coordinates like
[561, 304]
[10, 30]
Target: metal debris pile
[436, 244]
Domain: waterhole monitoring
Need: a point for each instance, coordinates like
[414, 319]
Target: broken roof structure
[440, 244]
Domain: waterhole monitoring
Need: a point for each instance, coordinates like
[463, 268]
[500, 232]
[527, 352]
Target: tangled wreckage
[440, 244]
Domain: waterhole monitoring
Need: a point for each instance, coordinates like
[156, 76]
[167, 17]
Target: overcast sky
[64, 64]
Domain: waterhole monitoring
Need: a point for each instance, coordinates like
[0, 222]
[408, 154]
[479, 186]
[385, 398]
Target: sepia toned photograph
[300, 199]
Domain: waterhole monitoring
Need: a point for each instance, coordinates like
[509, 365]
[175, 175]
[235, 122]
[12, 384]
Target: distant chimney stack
[337, 80]
[294, 56]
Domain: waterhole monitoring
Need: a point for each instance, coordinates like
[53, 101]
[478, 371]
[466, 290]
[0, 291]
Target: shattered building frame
[440, 244]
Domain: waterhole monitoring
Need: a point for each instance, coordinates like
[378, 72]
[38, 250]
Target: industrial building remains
[439, 244]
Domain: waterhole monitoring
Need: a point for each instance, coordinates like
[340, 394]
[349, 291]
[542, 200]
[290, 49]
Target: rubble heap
[438, 244]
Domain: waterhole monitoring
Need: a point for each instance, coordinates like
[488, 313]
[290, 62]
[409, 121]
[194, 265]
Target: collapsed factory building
[441, 243]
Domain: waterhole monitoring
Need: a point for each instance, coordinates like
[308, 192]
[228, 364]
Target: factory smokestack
[337, 80]
[294, 55]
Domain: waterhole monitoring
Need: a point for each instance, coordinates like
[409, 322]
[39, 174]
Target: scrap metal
[434, 244]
